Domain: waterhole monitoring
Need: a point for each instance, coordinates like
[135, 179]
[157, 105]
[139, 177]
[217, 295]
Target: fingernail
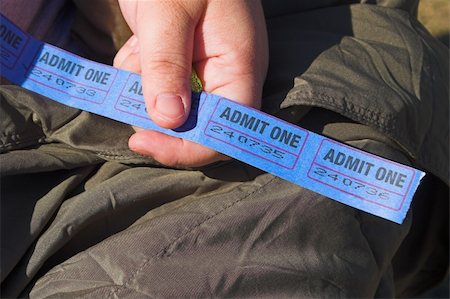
[170, 105]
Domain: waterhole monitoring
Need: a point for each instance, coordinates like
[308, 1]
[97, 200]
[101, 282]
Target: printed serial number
[132, 104]
[350, 183]
[63, 83]
[132, 107]
[366, 191]
[67, 86]
[248, 141]
[251, 146]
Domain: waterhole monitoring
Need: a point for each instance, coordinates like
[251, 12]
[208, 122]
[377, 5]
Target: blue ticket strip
[343, 173]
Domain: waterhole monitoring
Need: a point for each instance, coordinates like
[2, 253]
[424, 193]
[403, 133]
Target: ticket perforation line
[271, 122]
[338, 171]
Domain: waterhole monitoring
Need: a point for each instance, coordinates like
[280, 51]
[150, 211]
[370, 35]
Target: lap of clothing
[82, 216]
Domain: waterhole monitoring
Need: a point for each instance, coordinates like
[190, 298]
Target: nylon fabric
[82, 216]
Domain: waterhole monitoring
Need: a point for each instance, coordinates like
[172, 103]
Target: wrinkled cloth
[83, 216]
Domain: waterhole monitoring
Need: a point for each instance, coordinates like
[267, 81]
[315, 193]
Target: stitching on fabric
[388, 130]
[354, 108]
[118, 156]
[331, 100]
[350, 112]
[162, 251]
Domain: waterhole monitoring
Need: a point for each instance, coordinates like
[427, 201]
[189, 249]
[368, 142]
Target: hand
[224, 40]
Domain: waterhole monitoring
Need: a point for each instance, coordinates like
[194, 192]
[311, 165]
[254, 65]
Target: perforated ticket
[338, 171]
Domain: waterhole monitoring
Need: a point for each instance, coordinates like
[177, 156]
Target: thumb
[165, 31]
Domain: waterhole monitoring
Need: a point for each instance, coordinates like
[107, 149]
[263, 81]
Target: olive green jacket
[83, 216]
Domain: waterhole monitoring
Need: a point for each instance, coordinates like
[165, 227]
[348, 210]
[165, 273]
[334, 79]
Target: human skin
[224, 40]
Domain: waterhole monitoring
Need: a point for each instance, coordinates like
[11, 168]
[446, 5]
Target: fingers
[128, 56]
[165, 31]
[172, 151]
[168, 150]
[231, 55]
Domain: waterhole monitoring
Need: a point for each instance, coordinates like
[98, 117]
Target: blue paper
[343, 173]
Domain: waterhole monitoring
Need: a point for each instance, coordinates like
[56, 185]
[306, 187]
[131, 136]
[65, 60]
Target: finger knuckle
[167, 65]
